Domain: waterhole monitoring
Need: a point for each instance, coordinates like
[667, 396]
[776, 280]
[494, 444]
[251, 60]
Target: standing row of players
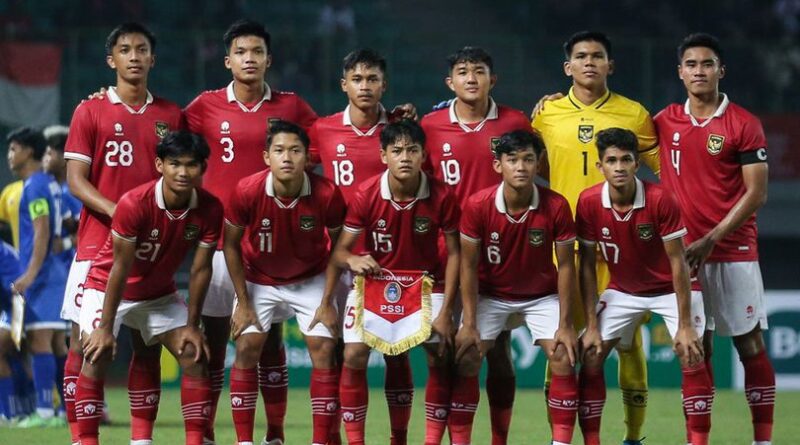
[458, 143]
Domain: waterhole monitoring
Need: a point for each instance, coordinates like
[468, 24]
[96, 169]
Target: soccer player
[9, 209]
[637, 226]
[42, 280]
[347, 145]
[131, 281]
[568, 126]
[10, 270]
[54, 163]
[109, 151]
[508, 234]
[278, 227]
[401, 213]
[460, 141]
[235, 121]
[717, 166]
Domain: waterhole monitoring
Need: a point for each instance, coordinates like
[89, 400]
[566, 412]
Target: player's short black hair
[183, 143]
[518, 140]
[56, 137]
[404, 128]
[470, 54]
[281, 126]
[365, 56]
[587, 36]
[620, 138]
[700, 39]
[31, 138]
[244, 27]
[130, 28]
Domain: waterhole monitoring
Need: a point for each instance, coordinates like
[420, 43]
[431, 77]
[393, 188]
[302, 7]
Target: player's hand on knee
[243, 317]
[591, 343]
[404, 111]
[329, 317]
[191, 341]
[566, 337]
[698, 251]
[101, 341]
[363, 265]
[688, 346]
[540, 105]
[444, 327]
[466, 338]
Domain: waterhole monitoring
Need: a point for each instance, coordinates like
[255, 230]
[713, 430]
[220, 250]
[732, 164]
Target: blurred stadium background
[52, 56]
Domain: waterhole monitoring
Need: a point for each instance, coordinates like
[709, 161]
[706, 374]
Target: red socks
[697, 401]
[72, 370]
[437, 403]
[501, 404]
[273, 379]
[562, 405]
[244, 395]
[216, 372]
[89, 409]
[399, 389]
[464, 402]
[324, 402]
[759, 387]
[144, 393]
[196, 407]
[354, 396]
[592, 391]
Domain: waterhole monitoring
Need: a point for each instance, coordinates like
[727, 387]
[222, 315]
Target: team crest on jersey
[493, 143]
[585, 133]
[536, 237]
[422, 224]
[714, 143]
[161, 129]
[646, 231]
[191, 231]
[307, 223]
[392, 292]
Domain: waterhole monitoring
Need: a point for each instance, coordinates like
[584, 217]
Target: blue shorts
[43, 299]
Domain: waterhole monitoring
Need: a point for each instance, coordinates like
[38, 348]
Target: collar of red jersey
[269, 186]
[232, 96]
[114, 98]
[423, 192]
[720, 111]
[163, 205]
[383, 119]
[500, 201]
[638, 198]
[491, 115]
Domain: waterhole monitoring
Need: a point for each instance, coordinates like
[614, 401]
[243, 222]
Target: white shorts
[73, 294]
[301, 300]
[349, 333]
[151, 317]
[734, 297]
[619, 314]
[541, 315]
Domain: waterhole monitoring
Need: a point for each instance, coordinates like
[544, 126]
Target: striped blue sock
[7, 397]
[44, 376]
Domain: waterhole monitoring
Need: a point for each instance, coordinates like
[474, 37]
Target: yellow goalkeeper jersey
[9, 208]
[568, 128]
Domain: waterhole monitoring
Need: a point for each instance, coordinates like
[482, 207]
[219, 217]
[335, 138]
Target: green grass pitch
[664, 426]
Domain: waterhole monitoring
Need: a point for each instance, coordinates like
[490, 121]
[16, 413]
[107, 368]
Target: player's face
[404, 158]
[248, 59]
[700, 70]
[517, 168]
[589, 65]
[17, 155]
[618, 166]
[53, 161]
[181, 174]
[286, 157]
[471, 82]
[132, 57]
[364, 85]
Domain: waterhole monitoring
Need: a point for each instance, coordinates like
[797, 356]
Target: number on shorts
[120, 153]
[350, 317]
[79, 296]
[602, 305]
[98, 318]
[451, 170]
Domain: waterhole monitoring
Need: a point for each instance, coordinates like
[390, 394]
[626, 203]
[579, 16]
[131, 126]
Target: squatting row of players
[453, 195]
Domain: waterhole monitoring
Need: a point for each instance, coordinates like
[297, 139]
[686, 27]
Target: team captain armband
[753, 157]
[38, 207]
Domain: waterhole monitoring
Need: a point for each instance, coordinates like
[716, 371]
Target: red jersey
[163, 238]
[461, 154]
[236, 133]
[516, 261]
[119, 144]
[284, 240]
[349, 155]
[632, 243]
[702, 164]
[404, 235]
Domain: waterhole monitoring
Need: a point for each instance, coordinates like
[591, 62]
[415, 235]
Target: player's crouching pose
[507, 238]
[131, 281]
[401, 213]
[638, 228]
[276, 247]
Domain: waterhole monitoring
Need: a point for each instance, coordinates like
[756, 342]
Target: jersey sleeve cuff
[353, 230]
[674, 235]
[566, 241]
[587, 242]
[207, 245]
[131, 239]
[78, 157]
[231, 223]
[466, 237]
[334, 229]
